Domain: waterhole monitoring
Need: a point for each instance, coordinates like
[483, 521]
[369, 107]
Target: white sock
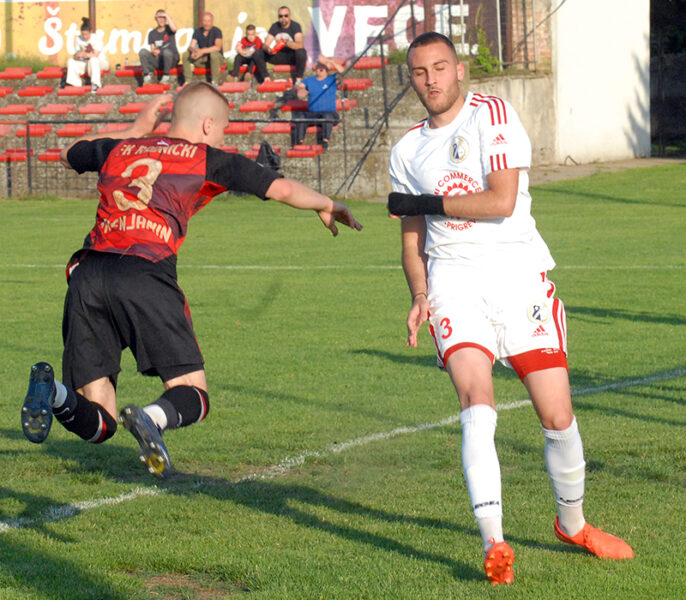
[155, 412]
[564, 459]
[60, 394]
[482, 470]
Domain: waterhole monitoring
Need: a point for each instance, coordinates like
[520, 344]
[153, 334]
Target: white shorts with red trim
[510, 315]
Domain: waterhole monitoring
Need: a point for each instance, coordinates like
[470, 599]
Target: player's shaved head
[195, 104]
[197, 101]
[430, 37]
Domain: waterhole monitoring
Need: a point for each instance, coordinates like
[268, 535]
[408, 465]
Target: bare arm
[297, 195]
[329, 62]
[414, 265]
[267, 41]
[496, 202]
[297, 43]
[145, 123]
[170, 22]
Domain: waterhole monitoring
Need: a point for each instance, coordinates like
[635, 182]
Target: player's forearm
[413, 256]
[488, 204]
[297, 195]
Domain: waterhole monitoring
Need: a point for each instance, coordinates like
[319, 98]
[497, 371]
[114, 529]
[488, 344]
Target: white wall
[601, 66]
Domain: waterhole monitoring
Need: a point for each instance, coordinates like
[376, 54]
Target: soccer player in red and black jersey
[123, 290]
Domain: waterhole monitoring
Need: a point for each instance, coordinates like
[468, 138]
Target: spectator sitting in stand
[89, 57]
[320, 92]
[284, 45]
[163, 53]
[245, 49]
[206, 47]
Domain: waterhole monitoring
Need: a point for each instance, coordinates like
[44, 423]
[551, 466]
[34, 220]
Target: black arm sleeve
[90, 155]
[238, 173]
[409, 205]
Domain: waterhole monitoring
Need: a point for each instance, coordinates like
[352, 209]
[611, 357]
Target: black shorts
[116, 302]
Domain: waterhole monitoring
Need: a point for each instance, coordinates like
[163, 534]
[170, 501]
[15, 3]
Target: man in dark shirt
[206, 47]
[123, 290]
[284, 45]
[163, 53]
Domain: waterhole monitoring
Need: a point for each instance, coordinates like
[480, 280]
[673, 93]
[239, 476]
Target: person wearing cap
[320, 91]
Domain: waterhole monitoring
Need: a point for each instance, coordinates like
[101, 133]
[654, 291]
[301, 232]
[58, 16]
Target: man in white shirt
[476, 268]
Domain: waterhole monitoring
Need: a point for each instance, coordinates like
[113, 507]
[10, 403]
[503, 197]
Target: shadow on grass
[421, 360]
[45, 575]
[575, 191]
[617, 313]
[300, 504]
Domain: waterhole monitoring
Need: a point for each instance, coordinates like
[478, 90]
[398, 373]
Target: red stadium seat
[75, 130]
[229, 149]
[16, 109]
[346, 104]
[152, 88]
[12, 157]
[173, 71]
[35, 91]
[294, 105]
[370, 62]
[51, 73]
[275, 86]
[234, 87]
[136, 71]
[256, 106]
[15, 72]
[277, 128]
[74, 90]
[304, 151]
[98, 108]
[255, 150]
[56, 109]
[356, 84]
[114, 90]
[4, 91]
[50, 155]
[284, 68]
[35, 130]
[131, 108]
[239, 128]
[5, 129]
[206, 70]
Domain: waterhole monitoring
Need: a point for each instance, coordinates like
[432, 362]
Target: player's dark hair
[250, 28]
[430, 37]
[85, 24]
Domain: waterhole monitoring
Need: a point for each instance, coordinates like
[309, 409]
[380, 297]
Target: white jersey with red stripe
[486, 136]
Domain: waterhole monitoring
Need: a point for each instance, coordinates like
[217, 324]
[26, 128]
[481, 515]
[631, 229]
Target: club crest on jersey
[458, 149]
[538, 313]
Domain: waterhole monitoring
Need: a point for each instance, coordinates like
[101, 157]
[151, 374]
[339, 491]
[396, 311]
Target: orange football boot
[597, 542]
[498, 563]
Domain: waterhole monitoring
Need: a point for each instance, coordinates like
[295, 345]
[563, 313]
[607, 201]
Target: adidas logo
[539, 331]
[499, 139]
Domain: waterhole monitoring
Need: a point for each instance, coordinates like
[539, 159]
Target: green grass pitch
[303, 337]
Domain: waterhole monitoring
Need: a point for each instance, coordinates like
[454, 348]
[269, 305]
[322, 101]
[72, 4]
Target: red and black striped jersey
[151, 187]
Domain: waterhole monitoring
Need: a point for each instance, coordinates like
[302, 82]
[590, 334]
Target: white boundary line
[357, 267]
[65, 511]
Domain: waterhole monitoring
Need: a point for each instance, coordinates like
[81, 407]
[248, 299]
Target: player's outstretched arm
[297, 195]
[146, 122]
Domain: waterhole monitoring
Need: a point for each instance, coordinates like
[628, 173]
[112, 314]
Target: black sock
[87, 419]
[184, 405]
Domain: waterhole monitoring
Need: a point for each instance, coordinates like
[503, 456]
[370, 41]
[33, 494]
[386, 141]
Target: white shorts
[511, 316]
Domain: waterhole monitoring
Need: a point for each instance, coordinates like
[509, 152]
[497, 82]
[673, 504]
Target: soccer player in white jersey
[476, 268]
